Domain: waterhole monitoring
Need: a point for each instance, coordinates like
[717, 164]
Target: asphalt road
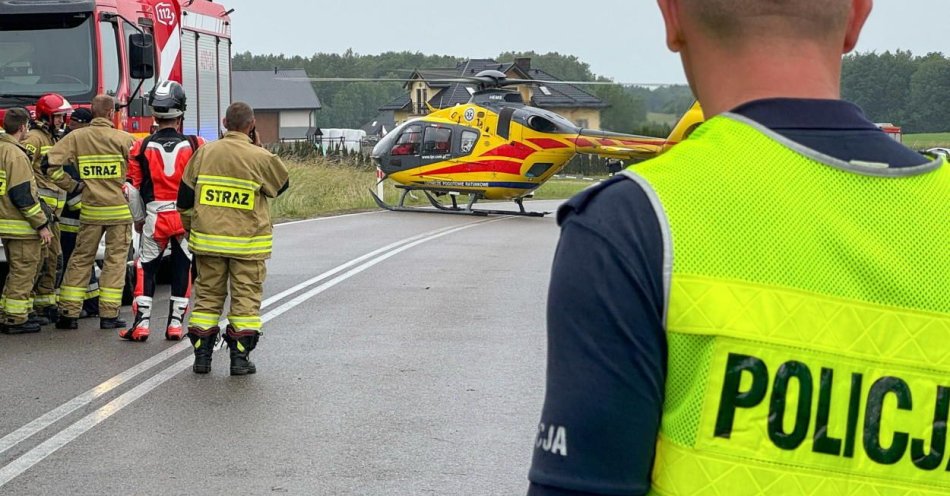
[403, 354]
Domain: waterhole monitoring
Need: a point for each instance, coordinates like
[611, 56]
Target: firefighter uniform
[38, 142]
[223, 201]
[69, 231]
[20, 217]
[98, 156]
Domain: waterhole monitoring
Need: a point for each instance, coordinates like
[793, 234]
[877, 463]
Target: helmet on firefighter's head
[167, 100]
[52, 104]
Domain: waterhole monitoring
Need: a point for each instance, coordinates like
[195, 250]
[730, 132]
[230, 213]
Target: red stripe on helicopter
[547, 143]
[607, 142]
[515, 149]
[502, 166]
[582, 142]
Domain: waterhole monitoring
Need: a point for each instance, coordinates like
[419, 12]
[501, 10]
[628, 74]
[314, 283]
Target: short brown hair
[102, 106]
[238, 117]
[732, 20]
[14, 119]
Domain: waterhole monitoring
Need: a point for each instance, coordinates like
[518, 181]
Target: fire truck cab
[81, 48]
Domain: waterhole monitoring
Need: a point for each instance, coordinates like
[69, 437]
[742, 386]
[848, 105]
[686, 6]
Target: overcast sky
[621, 39]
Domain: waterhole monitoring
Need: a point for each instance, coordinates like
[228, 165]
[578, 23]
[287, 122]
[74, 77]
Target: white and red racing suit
[155, 169]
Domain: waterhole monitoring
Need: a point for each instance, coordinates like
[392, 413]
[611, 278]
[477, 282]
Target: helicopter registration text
[225, 196]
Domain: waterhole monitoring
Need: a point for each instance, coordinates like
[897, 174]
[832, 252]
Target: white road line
[316, 219]
[23, 433]
[64, 437]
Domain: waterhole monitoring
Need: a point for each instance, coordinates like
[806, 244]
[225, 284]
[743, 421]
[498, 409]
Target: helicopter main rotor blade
[507, 82]
[377, 80]
[485, 82]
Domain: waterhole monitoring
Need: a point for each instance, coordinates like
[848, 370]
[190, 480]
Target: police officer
[69, 226]
[155, 171]
[51, 113]
[23, 224]
[762, 309]
[98, 156]
[223, 199]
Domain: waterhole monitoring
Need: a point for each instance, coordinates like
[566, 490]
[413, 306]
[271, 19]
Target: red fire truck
[81, 48]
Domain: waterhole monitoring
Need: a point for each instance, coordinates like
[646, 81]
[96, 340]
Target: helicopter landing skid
[455, 209]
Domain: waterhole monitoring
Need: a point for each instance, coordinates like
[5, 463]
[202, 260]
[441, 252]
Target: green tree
[564, 67]
[627, 111]
[879, 83]
[929, 90]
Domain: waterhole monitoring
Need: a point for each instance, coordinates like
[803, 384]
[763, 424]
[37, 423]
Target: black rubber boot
[51, 313]
[241, 343]
[38, 319]
[67, 323]
[203, 341]
[112, 323]
[26, 327]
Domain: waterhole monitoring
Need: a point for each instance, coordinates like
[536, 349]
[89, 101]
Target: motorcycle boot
[177, 307]
[143, 315]
[203, 341]
[241, 343]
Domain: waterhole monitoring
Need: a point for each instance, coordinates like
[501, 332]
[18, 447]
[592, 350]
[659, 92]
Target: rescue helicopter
[496, 147]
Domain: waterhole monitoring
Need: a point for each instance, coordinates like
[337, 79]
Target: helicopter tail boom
[629, 146]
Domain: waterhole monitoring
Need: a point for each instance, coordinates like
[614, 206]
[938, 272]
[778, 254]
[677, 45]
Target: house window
[408, 142]
[470, 90]
[545, 90]
[437, 141]
[582, 123]
[422, 96]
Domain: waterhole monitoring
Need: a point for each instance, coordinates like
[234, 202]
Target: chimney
[523, 63]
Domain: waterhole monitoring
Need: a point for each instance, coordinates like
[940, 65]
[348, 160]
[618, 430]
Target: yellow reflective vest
[808, 319]
[227, 184]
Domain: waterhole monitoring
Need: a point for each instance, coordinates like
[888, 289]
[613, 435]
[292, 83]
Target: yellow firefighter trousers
[45, 294]
[246, 279]
[111, 281]
[23, 260]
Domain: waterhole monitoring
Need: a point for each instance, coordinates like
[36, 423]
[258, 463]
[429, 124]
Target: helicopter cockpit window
[437, 141]
[408, 142]
[468, 141]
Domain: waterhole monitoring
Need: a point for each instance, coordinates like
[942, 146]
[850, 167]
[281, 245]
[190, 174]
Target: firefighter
[223, 199]
[155, 170]
[69, 227]
[98, 156]
[51, 113]
[23, 224]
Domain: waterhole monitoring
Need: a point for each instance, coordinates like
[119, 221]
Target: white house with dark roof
[284, 103]
[427, 87]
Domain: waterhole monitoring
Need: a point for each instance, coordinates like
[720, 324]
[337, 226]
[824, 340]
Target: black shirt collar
[799, 113]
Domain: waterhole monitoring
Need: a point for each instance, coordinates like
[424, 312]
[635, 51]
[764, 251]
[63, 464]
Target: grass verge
[322, 187]
[924, 141]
